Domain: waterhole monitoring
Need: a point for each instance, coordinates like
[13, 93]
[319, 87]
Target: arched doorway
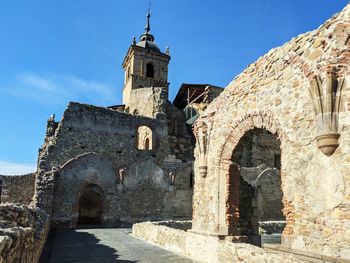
[91, 203]
[254, 189]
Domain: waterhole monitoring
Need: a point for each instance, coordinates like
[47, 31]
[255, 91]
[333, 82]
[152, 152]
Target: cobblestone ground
[106, 245]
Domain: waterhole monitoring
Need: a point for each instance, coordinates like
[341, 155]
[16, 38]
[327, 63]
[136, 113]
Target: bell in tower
[146, 84]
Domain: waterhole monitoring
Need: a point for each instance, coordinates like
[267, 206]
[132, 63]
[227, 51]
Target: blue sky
[56, 51]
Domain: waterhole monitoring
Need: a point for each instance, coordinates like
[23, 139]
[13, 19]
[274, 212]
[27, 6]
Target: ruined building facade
[125, 163]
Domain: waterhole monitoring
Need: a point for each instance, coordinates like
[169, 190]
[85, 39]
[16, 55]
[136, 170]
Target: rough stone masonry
[278, 134]
[299, 92]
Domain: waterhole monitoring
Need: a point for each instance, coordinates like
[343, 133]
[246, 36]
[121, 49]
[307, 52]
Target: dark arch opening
[149, 70]
[91, 206]
[147, 144]
[255, 194]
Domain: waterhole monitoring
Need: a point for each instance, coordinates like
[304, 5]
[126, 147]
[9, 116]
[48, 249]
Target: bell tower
[146, 84]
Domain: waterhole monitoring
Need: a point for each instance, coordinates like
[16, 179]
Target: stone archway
[91, 206]
[254, 186]
[230, 179]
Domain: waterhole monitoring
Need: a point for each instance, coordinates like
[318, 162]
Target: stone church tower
[146, 84]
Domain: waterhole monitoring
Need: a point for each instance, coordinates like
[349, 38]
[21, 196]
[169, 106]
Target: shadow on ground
[101, 245]
[68, 246]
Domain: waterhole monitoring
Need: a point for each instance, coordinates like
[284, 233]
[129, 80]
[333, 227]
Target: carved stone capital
[328, 143]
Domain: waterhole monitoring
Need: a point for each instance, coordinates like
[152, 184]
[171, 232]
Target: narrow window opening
[149, 70]
[191, 180]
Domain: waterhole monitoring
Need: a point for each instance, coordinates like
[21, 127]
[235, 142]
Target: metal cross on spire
[148, 26]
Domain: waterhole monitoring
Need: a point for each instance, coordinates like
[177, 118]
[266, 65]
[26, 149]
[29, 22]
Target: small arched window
[144, 138]
[149, 70]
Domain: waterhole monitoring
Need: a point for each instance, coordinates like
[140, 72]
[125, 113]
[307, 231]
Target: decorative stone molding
[326, 96]
[172, 177]
[121, 175]
[202, 133]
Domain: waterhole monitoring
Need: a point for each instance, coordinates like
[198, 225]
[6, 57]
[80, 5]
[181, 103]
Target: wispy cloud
[9, 168]
[53, 88]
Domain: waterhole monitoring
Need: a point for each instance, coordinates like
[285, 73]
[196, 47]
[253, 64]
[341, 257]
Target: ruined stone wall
[86, 128]
[17, 188]
[274, 94]
[23, 233]
[90, 146]
[181, 141]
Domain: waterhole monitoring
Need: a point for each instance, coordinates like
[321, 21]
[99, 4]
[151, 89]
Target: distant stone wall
[23, 232]
[17, 188]
[269, 196]
[268, 193]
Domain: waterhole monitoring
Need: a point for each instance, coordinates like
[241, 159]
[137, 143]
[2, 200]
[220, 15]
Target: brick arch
[229, 187]
[82, 156]
[261, 120]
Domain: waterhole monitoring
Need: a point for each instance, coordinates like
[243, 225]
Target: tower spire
[147, 36]
[148, 26]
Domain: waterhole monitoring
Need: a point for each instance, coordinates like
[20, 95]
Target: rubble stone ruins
[215, 175]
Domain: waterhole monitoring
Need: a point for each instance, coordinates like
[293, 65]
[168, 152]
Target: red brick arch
[262, 120]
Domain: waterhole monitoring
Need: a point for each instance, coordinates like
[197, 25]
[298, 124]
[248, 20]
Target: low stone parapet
[23, 231]
[203, 248]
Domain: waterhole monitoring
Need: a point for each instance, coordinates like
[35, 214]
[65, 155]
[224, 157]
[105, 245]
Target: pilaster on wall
[223, 195]
[232, 199]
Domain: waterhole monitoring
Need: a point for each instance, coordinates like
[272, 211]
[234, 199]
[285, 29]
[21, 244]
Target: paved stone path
[107, 246]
